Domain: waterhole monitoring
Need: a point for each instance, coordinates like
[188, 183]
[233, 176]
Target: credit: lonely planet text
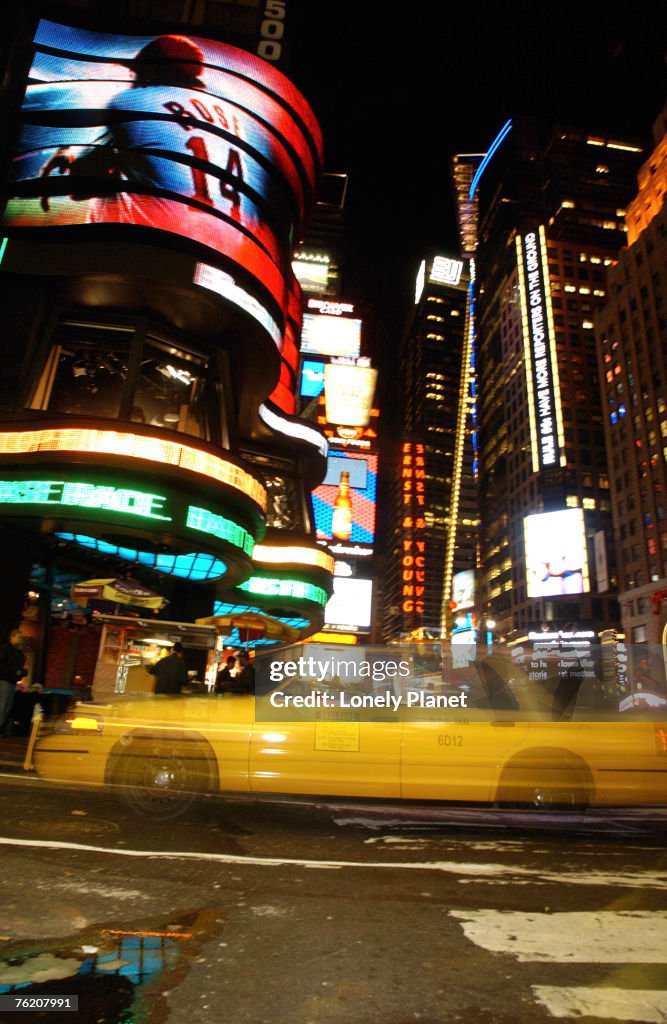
[355, 701]
[311, 670]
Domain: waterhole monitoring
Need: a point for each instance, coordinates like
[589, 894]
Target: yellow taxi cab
[494, 743]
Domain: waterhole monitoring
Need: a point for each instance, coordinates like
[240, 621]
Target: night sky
[397, 95]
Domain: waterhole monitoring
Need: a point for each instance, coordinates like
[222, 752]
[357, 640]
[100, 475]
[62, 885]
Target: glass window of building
[128, 372]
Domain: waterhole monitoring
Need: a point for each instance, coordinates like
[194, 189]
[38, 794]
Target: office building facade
[632, 352]
[552, 204]
[433, 522]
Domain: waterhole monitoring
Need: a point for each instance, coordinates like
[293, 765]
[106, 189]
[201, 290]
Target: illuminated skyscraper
[632, 352]
[432, 499]
[551, 221]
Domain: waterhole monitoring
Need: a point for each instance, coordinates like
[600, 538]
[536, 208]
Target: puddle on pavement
[108, 969]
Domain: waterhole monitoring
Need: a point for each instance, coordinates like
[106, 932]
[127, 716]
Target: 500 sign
[272, 31]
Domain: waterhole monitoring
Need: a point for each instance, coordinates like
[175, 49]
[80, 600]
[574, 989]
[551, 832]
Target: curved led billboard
[171, 133]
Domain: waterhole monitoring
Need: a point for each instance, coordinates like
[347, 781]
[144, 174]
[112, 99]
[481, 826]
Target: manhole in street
[70, 826]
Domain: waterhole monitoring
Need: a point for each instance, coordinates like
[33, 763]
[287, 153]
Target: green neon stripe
[225, 529]
[269, 586]
[77, 494]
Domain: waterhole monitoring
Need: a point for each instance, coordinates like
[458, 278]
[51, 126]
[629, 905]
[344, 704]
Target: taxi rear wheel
[553, 783]
[160, 781]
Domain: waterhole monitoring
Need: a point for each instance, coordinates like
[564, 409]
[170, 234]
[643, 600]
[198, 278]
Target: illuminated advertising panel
[313, 277]
[348, 393]
[413, 530]
[556, 557]
[312, 378]
[172, 133]
[463, 589]
[325, 335]
[349, 607]
[360, 438]
[544, 407]
[344, 504]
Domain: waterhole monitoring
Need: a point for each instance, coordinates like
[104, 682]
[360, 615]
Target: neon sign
[271, 587]
[225, 529]
[83, 495]
[134, 446]
[445, 270]
[329, 308]
[413, 543]
[292, 555]
[540, 356]
[79, 497]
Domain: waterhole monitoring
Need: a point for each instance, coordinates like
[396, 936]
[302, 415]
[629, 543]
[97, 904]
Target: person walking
[12, 670]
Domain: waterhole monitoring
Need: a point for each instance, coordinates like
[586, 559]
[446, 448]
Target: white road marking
[644, 1005]
[92, 890]
[604, 936]
[500, 874]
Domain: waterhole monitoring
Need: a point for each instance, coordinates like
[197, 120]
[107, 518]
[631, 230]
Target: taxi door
[457, 752]
[326, 757]
[460, 757]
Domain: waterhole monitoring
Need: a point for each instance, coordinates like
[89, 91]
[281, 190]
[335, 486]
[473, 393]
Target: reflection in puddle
[104, 976]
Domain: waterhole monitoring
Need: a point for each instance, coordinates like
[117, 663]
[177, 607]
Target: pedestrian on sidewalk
[12, 670]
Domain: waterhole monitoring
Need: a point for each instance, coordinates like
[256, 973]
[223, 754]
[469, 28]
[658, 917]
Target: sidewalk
[13, 750]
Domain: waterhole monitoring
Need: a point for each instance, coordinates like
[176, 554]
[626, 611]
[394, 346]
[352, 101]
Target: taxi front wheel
[159, 782]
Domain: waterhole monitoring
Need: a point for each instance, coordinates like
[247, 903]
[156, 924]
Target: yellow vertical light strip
[459, 448]
[527, 356]
[553, 351]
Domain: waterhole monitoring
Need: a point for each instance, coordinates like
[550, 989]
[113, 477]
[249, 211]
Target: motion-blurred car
[161, 752]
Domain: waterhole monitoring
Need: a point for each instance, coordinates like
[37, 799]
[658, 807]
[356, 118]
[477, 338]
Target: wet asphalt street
[290, 914]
